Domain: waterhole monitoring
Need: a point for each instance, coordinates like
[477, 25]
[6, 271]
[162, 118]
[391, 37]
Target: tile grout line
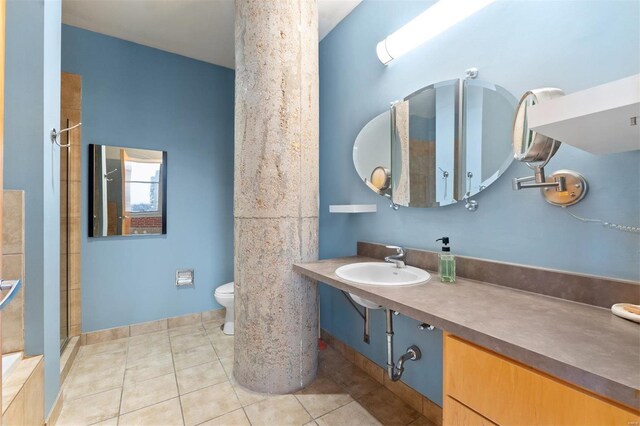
[135, 383]
[156, 402]
[344, 388]
[95, 423]
[68, 383]
[313, 419]
[126, 358]
[380, 385]
[178, 388]
[337, 408]
[171, 347]
[229, 375]
[124, 374]
[199, 363]
[175, 373]
[235, 391]
[245, 414]
[330, 339]
[359, 399]
[324, 414]
[139, 409]
[230, 378]
[210, 386]
[210, 334]
[217, 417]
[91, 395]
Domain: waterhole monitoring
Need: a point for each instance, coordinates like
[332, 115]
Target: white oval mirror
[488, 114]
[442, 144]
[372, 153]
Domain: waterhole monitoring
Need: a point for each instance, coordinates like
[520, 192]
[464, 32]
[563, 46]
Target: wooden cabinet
[460, 414]
[484, 388]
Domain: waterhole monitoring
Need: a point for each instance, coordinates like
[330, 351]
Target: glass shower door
[64, 238]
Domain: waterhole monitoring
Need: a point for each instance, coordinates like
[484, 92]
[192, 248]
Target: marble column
[275, 193]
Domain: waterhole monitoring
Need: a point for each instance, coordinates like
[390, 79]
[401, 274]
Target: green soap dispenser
[446, 262]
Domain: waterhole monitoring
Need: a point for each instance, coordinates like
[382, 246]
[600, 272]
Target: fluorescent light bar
[435, 20]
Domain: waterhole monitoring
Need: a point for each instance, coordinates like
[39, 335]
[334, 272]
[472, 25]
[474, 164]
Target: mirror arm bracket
[540, 181]
[559, 184]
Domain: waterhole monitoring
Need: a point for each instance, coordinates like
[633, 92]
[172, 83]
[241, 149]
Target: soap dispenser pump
[446, 262]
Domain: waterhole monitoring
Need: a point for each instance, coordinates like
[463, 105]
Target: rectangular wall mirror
[127, 191]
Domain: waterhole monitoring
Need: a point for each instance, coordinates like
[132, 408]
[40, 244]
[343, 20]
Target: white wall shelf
[353, 208]
[597, 120]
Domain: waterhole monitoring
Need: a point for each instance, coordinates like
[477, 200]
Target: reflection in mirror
[425, 146]
[530, 146]
[442, 144]
[450, 140]
[488, 120]
[372, 154]
[127, 191]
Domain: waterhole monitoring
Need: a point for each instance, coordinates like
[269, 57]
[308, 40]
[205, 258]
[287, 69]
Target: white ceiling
[199, 29]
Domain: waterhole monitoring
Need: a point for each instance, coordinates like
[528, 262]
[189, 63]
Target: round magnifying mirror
[381, 178]
[372, 153]
[528, 145]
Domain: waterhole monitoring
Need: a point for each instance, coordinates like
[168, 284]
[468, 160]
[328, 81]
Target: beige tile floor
[183, 376]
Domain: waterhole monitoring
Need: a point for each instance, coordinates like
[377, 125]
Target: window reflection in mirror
[128, 191]
[142, 184]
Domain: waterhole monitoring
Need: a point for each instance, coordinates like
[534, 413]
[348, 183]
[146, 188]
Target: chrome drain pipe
[365, 317]
[413, 352]
[365, 333]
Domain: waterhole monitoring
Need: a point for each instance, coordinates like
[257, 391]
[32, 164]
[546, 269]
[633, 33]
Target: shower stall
[70, 189]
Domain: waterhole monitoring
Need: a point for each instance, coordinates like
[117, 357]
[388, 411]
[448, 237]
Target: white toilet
[224, 296]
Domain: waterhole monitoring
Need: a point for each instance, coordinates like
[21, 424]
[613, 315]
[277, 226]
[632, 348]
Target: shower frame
[70, 211]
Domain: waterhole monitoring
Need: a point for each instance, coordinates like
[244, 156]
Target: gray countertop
[582, 344]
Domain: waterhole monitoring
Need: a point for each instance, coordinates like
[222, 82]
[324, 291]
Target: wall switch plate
[184, 277]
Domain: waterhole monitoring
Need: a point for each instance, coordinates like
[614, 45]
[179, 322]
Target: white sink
[365, 302]
[380, 274]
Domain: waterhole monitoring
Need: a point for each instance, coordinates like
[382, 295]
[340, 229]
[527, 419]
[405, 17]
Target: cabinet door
[509, 393]
[457, 414]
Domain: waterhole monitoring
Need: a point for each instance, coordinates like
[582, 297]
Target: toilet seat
[225, 290]
[224, 297]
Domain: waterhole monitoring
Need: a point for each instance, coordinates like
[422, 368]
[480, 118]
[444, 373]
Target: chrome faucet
[397, 258]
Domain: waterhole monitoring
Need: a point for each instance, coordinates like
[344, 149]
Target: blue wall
[519, 45]
[32, 163]
[141, 97]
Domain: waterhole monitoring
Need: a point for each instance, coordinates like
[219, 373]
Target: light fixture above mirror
[435, 20]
